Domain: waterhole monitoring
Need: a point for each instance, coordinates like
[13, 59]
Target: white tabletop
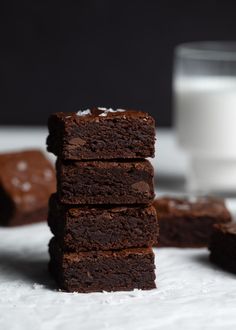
[191, 293]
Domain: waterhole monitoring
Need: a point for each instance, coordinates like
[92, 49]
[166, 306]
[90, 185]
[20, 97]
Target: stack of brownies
[101, 216]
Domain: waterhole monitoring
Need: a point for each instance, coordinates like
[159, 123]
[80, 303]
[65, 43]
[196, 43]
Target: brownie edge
[223, 246]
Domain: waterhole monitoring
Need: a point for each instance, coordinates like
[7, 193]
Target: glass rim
[207, 50]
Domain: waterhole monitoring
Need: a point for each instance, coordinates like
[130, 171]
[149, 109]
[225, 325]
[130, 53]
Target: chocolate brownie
[121, 270]
[27, 179]
[189, 222]
[102, 228]
[101, 133]
[223, 246]
[105, 182]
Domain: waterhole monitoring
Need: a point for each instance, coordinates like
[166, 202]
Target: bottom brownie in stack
[80, 260]
[92, 271]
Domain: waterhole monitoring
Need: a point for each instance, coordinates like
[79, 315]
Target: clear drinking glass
[204, 91]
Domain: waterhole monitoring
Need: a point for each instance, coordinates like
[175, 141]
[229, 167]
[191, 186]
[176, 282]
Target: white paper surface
[191, 294]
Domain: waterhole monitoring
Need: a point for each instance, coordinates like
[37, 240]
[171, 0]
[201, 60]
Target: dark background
[59, 57]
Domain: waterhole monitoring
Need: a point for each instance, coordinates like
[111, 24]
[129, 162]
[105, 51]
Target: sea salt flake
[47, 174]
[82, 113]
[184, 206]
[29, 198]
[21, 166]
[17, 199]
[102, 108]
[15, 181]
[192, 199]
[106, 111]
[26, 186]
[172, 203]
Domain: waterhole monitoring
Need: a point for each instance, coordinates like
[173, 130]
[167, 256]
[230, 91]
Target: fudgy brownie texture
[93, 271]
[223, 246]
[101, 133]
[102, 228]
[189, 222]
[27, 179]
[105, 182]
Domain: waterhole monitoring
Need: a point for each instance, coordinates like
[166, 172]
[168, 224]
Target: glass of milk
[204, 88]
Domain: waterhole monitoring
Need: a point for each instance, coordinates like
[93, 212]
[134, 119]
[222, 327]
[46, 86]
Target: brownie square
[189, 222]
[105, 182]
[101, 133]
[102, 228]
[223, 246]
[27, 179]
[84, 272]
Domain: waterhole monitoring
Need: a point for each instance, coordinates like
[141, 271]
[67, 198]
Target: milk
[205, 118]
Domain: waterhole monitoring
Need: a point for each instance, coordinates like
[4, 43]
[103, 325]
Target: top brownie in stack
[101, 133]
